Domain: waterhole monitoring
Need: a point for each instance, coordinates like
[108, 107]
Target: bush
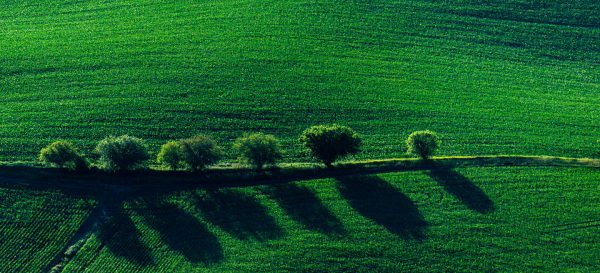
[63, 154]
[122, 153]
[199, 152]
[170, 154]
[330, 142]
[258, 149]
[423, 143]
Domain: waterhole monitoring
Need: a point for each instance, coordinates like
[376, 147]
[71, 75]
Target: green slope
[496, 77]
[533, 219]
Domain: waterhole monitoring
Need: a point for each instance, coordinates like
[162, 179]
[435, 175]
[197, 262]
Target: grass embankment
[232, 175]
[493, 77]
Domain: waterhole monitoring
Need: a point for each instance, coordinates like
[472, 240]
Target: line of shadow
[122, 239]
[302, 205]
[237, 213]
[182, 232]
[377, 200]
[463, 189]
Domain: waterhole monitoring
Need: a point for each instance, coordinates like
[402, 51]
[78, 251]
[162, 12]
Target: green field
[467, 219]
[493, 77]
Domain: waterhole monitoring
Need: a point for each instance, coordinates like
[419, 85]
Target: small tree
[200, 151]
[170, 154]
[122, 153]
[63, 154]
[328, 143]
[258, 149]
[423, 143]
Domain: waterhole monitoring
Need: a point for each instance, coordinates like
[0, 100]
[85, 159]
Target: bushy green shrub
[170, 154]
[423, 143]
[63, 154]
[122, 153]
[258, 149]
[328, 143]
[199, 152]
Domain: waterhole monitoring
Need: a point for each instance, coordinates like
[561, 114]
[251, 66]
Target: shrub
[423, 143]
[122, 153]
[258, 149]
[63, 154]
[200, 151]
[170, 154]
[330, 142]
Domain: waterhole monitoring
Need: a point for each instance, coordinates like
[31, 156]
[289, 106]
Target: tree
[200, 151]
[258, 149]
[122, 153]
[63, 154]
[423, 143]
[170, 154]
[328, 143]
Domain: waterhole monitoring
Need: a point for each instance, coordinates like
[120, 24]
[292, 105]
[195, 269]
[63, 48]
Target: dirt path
[109, 203]
[165, 181]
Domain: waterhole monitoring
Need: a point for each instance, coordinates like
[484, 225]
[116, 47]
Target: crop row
[35, 226]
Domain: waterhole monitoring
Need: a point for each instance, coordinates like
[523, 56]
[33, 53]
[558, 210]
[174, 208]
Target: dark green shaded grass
[499, 77]
[35, 226]
[467, 219]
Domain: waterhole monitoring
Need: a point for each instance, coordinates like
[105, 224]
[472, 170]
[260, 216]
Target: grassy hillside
[466, 220]
[496, 77]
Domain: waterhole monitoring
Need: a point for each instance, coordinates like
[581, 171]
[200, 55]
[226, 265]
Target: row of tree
[327, 143]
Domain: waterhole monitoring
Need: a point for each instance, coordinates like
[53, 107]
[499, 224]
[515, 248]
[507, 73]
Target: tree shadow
[463, 189]
[377, 200]
[182, 232]
[302, 205]
[121, 237]
[238, 214]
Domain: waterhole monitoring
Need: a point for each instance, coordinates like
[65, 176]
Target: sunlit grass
[497, 78]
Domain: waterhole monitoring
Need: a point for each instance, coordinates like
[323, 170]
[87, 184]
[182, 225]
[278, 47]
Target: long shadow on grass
[302, 205]
[238, 214]
[182, 232]
[122, 239]
[377, 200]
[461, 187]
